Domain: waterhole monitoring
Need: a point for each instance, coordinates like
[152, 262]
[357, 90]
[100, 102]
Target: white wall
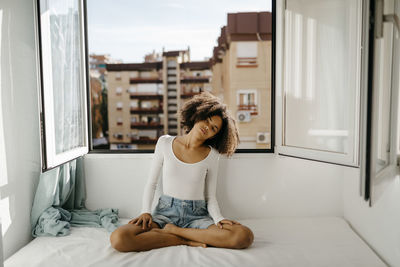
[249, 186]
[379, 225]
[19, 125]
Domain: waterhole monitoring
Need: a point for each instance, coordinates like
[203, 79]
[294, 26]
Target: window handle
[395, 20]
[380, 18]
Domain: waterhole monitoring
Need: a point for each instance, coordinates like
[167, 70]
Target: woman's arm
[155, 170]
[211, 189]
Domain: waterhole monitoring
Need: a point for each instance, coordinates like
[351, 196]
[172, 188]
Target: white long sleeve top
[188, 181]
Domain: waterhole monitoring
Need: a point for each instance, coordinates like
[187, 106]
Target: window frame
[373, 183]
[351, 160]
[49, 159]
[270, 150]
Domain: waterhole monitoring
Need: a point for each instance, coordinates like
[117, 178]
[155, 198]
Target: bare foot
[195, 244]
[170, 227]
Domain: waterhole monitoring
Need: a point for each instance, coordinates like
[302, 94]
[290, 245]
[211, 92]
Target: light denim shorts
[182, 213]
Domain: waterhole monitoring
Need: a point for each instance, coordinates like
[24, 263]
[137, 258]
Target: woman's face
[209, 127]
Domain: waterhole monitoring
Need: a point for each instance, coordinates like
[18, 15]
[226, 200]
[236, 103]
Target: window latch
[380, 18]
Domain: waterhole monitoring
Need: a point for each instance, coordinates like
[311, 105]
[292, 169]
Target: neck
[192, 141]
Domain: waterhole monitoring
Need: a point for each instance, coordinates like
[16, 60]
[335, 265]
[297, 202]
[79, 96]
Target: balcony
[189, 94]
[145, 80]
[246, 62]
[145, 96]
[155, 110]
[251, 108]
[143, 141]
[195, 79]
[145, 125]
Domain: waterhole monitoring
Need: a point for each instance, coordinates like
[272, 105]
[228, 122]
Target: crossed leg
[130, 237]
[231, 236]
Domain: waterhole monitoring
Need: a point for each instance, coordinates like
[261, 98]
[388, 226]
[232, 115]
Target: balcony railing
[251, 108]
[145, 80]
[145, 125]
[189, 94]
[246, 62]
[145, 95]
[195, 79]
[143, 141]
[146, 110]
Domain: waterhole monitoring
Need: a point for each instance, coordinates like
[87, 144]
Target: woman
[187, 213]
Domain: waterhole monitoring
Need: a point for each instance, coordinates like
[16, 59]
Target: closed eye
[214, 129]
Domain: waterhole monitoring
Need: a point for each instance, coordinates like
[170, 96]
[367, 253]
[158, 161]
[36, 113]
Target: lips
[204, 131]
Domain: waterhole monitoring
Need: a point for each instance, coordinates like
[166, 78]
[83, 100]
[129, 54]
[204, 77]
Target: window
[246, 54]
[64, 127]
[119, 105]
[118, 91]
[319, 47]
[247, 101]
[162, 73]
[382, 139]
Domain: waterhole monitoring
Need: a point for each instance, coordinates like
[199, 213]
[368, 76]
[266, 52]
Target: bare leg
[131, 237]
[231, 236]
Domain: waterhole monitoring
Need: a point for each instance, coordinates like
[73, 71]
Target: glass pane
[175, 56]
[63, 20]
[320, 74]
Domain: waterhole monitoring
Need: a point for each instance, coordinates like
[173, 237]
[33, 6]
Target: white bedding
[320, 241]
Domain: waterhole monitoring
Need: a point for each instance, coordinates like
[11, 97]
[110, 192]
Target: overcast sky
[128, 29]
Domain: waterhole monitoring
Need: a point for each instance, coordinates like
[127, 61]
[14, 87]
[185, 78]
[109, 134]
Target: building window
[118, 136]
[119, 105]
[246, 54]
[118, 91]
[247, 101]
[119, 121]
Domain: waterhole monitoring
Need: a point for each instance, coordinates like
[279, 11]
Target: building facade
[144, 98]
[241, 75]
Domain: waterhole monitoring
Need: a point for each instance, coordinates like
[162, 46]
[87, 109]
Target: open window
[381, 141]
[126, 106]
[61, 49]
[319, 54]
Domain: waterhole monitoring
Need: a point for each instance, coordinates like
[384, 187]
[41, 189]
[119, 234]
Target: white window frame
[331, 157]
[379, 180]
[49, 158]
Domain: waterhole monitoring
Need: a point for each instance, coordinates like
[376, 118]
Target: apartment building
[241, 74]
[144, 98]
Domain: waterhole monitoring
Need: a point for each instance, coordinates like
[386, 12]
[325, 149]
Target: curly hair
[203, 106]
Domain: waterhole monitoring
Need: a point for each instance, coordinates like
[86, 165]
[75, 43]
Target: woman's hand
[144, 219]
[225, 221]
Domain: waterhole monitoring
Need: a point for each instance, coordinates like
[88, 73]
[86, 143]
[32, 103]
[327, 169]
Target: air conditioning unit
[263, 138]
[243, 116]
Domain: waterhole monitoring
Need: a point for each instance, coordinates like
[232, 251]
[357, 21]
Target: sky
[127, 30]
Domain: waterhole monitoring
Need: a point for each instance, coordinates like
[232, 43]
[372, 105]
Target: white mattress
[307, 242]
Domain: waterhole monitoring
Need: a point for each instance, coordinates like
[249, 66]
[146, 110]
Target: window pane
[162, 65]
[63, 81]
[320, 74]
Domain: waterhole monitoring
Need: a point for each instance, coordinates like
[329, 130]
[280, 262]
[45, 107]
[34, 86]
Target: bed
[317, 241]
